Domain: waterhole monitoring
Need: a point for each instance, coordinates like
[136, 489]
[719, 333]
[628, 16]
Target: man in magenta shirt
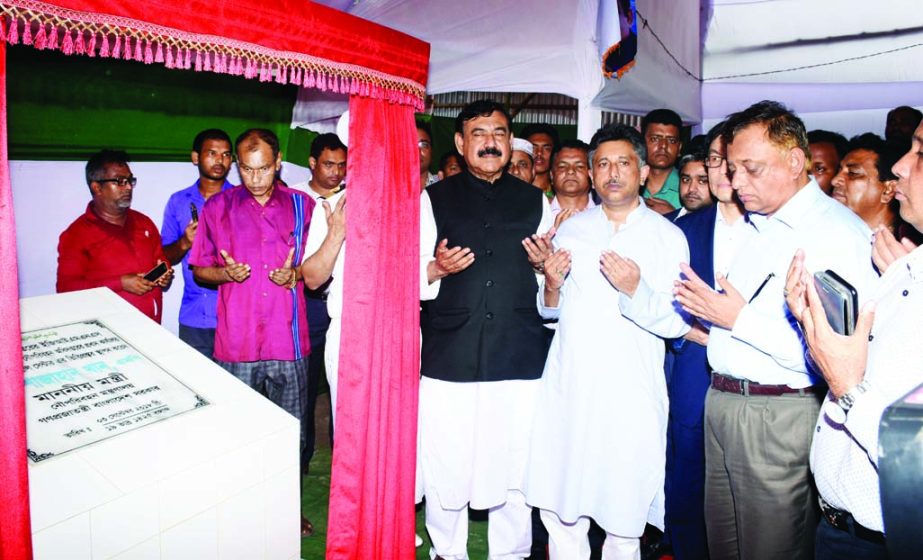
[247, 240]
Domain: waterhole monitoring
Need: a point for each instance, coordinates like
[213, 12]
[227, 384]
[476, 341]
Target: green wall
[67, 107]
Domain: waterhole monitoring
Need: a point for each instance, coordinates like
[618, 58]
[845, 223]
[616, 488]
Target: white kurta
[599, 437]
[472, 437]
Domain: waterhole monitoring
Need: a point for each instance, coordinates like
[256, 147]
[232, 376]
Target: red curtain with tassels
[288, 41]
[15, 532]
[374, 456]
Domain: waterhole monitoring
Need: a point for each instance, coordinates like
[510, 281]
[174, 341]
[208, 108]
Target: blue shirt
[198, 309]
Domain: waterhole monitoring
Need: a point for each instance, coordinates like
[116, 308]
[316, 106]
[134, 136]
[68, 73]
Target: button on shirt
[255, 317]
[199, 303]
[844, 457]
[764, 345]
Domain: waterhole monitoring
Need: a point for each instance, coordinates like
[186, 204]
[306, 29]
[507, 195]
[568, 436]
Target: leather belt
[844, 521]
[745, 387]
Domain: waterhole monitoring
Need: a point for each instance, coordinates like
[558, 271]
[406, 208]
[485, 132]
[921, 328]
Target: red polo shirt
[93, 253]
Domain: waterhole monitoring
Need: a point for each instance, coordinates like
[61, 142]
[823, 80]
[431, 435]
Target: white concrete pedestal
[217, 482]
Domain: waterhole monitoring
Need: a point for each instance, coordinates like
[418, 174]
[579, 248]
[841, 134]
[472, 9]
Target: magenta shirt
[255, 317]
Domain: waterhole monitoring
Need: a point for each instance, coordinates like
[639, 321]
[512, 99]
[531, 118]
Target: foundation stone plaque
[84, 384]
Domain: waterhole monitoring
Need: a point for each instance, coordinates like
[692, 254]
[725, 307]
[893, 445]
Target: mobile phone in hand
[155, 273]
[194, 211]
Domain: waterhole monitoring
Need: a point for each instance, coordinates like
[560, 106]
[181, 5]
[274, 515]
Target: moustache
[490, 152]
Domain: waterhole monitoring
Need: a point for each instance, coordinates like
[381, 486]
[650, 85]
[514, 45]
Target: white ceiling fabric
[550, 46]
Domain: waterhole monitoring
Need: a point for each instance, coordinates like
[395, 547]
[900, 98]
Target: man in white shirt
[866, 372]
[599, 432]
[327, 162]
[715, 235]
[763, 400]
[570, 177]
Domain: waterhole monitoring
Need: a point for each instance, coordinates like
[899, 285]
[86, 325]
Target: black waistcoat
[484, 326]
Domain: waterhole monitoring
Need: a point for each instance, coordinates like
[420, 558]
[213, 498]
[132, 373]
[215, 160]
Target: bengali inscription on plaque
[84, 384]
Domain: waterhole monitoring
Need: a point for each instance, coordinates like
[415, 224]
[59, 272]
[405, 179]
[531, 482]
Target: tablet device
[839, 299]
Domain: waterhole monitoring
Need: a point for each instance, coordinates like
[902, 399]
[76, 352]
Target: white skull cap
[523, 146]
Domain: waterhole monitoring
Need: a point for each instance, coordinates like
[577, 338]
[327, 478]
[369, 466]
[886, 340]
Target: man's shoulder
[80, 224]
[838, 220]
[222, 199]
[140, 219]
[578, 224]
[184, 193]
[656, 221]
[694, 223]
[293, 194]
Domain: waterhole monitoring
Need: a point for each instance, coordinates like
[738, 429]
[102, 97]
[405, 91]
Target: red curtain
[286, 26]
[15, 531]
[374, 456]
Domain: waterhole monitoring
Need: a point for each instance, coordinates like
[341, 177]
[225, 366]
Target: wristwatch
[848, 399]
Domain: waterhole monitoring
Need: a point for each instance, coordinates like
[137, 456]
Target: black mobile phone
[840, 301]
[194, 211]
[155, 273]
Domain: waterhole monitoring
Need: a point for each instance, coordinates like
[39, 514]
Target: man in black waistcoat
[484, 346]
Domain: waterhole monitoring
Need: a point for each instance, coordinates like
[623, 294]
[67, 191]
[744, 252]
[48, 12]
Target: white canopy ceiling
[824, 58]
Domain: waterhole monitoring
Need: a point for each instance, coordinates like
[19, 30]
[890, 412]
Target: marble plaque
[84, 384]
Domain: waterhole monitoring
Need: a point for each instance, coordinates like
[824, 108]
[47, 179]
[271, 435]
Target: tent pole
[589, 118]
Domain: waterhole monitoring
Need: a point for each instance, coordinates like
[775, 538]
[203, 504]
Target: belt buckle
[836, 518]
[744, 385]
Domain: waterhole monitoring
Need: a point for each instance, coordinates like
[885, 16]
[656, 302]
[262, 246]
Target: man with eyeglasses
[714, 233]
[662, 130]
[248, 239]
[111, 245]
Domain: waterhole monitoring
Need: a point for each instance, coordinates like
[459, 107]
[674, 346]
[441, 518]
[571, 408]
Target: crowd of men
[625, 332]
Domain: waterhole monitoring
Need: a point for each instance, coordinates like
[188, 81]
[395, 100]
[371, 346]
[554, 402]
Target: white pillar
[589, 119]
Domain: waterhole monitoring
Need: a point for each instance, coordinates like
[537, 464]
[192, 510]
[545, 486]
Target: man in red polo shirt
[111, 245]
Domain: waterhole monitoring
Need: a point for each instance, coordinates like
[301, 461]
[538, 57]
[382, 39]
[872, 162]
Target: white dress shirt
[764, 345]
[316, 234]
[844, 457]
[599, 436]
[556, 206]
[729, 238]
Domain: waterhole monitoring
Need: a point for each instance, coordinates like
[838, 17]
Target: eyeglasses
[713, 161]
[261, 171]
[424, 145]
[120, 181]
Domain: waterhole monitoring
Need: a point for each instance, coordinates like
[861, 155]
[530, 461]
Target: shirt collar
[482, 186]
[274, 198]
[97, 219]
[197, 194]
[795, 211]
[635, 215]
[556, 206]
